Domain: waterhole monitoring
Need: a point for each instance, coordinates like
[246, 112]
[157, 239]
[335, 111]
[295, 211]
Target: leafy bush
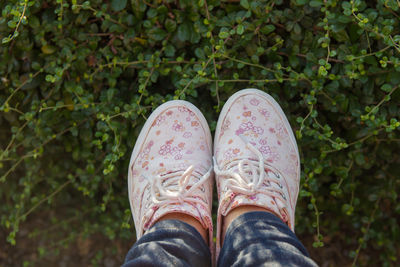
[78, 80]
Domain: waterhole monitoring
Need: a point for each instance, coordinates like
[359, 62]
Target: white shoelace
[250, 177]
[172, 187]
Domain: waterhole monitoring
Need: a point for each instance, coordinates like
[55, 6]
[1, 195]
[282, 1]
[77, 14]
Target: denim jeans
[252, 239]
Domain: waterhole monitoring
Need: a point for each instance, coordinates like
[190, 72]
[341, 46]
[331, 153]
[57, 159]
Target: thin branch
[21, 85]
[213, 58]
[44, 199]
[371, 218]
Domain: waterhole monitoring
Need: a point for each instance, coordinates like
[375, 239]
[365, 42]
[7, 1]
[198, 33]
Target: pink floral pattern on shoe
[171, 167]
[265, 171]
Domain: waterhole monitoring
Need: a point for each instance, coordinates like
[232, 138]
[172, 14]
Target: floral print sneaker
[256, 160]
[170, 170]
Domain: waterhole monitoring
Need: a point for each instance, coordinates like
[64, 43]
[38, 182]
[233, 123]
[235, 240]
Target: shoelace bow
[250, 177]
[173, 187]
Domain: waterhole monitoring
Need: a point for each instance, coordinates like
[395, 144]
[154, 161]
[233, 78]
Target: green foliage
[78, 80]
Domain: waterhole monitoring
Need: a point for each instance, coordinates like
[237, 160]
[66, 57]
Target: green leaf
[223, 35]
[157, 34]
[5, 40]
[315, 3]
[199, 52]
[240, 29]
[110, 94]
[322, 71]
[184, 32]
[267, 29]
[386, 87]
[301, 2]
[12, 24]
[34, 22]
[151, 13]
[48, 49]
[169, 51]
[346, 5]
[118, 5]
[138, 9]
[360, 159]
[245, 4]
[297, 29]
[130, 33]
[170, 25]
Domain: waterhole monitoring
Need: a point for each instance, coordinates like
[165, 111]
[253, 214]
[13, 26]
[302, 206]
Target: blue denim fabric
[262, 239]
[252, 239]
[169, 243]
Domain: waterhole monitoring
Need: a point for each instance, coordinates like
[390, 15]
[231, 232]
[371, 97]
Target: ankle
[189, 220]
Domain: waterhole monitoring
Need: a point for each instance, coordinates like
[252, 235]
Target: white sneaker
[256, 159]
[170, 170]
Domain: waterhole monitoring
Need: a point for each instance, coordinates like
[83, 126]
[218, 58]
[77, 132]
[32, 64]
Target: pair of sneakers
[255, 161]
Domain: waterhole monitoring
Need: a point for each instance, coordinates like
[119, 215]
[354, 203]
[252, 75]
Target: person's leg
[260, 238]
[170, 189]
[169, 243]
[257, 167]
